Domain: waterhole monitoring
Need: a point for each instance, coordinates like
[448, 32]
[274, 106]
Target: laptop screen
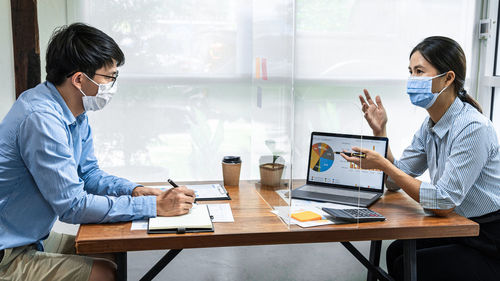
[328, 167]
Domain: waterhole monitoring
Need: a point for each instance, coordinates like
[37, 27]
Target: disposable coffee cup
[231, 166]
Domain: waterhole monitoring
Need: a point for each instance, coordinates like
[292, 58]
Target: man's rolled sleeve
[145, 205]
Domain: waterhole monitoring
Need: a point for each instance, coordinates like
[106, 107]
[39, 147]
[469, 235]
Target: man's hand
[175, 201]
[144, 191]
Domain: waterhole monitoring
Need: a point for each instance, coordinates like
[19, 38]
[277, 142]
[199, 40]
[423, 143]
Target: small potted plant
[270, 173]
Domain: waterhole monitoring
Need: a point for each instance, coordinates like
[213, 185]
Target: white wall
[51, 14]
[7, 94]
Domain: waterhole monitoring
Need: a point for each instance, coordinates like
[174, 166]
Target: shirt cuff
[128, 188]
[145, 206]
[429, 198]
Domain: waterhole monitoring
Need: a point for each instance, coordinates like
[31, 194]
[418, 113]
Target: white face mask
[104, 95]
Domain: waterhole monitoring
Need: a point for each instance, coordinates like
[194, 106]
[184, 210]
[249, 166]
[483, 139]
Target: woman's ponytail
[465, 97]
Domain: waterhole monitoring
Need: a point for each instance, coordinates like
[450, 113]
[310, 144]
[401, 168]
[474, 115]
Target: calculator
[354, 215]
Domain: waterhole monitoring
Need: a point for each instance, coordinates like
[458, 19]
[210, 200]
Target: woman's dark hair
[79, 47]
[445, 54]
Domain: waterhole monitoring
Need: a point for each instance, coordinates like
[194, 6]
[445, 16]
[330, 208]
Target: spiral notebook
[197, 220]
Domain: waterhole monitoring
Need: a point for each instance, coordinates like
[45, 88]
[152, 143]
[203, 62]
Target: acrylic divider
[332, 112]
[273, 102]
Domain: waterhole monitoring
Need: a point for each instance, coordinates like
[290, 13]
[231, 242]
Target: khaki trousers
[58, 262]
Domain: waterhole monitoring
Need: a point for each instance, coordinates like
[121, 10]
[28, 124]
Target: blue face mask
[420, 90]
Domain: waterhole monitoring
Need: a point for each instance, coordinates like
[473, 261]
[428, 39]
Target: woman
[459, 146]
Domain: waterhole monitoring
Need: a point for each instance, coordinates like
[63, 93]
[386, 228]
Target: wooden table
[254, 224]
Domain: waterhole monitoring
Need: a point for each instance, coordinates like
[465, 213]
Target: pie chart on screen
[322, 157]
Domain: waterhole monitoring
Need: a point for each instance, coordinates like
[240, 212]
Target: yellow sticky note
[306, 216]
[257, 68]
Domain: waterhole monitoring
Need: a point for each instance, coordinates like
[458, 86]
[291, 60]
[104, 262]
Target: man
[48, 168]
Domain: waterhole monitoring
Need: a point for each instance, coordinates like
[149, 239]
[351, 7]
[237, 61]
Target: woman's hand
[372, 159]
[374, 113]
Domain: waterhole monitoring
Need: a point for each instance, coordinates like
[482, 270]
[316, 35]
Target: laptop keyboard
[336, 191]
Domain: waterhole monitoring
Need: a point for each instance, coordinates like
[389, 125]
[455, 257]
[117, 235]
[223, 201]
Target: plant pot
[270, 174]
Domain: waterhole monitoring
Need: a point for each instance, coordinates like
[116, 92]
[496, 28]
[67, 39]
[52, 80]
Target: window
[345, 46]
[189, 91]
[489, 75]
[204, 79]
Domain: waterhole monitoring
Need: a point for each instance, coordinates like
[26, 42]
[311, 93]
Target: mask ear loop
[445, 87]
[97, 84]
[80, 89]
[82, 92]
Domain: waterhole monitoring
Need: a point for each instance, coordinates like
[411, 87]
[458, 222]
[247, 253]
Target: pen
[353, 154]
[172, 183]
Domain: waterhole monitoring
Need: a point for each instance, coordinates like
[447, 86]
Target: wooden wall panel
[26, 44]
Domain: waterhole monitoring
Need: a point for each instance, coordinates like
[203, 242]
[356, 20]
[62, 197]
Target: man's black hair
[79, 47]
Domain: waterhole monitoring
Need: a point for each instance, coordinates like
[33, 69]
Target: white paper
[208, 190]
[299, 205]
[139, 225]
[284, 212]
[201, 190]
[284, 194]
[221, 212]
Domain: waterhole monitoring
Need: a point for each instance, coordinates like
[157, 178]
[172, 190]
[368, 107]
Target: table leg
[410, 259]
[167, 258]
[121, 261]
[376, 270]
[375, 248]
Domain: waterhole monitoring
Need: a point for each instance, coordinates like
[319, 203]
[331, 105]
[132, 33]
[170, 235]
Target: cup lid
[231, 159]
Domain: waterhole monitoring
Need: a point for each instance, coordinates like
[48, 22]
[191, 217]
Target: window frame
[487, 81]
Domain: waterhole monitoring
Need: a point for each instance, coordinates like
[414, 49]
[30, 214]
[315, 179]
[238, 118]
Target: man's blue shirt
[48, 170]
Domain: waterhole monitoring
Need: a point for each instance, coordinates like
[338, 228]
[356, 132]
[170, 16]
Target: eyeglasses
[107, 76]
[110, 77]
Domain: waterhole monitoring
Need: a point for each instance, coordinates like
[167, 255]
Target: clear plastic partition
[333, 107]
[272, 102]
[202, 80]
[207, 79]
[331, 123]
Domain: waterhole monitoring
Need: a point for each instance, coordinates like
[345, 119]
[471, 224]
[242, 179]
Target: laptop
[330, 178]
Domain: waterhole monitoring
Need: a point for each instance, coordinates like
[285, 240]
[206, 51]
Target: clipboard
[197, 220]
[209, 192]
[205, 192]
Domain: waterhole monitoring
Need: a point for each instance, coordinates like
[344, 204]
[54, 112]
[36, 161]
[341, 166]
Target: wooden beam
[26, 44]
